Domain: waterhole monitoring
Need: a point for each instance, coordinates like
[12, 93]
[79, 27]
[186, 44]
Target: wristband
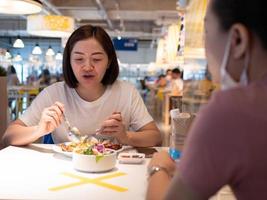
[154, 169]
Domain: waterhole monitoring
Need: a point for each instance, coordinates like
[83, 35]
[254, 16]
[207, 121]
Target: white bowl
[89, 163]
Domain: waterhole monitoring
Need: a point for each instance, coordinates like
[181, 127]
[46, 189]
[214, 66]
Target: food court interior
[159, 46]
[152, 38]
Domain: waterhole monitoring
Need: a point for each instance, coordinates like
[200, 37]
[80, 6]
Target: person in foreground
[227, 143]
[91, 98]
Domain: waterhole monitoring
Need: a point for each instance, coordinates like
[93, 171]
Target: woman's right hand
[51, 118]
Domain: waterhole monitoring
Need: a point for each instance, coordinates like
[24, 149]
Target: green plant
[2, 71]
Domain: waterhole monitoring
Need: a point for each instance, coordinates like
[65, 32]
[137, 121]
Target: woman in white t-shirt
[91, 98]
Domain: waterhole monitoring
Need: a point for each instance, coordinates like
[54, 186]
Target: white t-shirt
[88, 116]
[177, 86]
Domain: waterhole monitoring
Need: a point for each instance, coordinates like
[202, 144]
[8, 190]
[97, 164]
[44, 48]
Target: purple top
[227, 144]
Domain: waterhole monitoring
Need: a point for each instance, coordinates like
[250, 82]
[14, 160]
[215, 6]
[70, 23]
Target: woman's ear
[240, 40]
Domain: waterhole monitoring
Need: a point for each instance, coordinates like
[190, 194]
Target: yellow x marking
[97, 181]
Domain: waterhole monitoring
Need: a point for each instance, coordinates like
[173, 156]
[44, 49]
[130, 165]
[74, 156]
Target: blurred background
[153, 39]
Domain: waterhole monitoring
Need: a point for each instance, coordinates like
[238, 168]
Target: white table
[36, 172]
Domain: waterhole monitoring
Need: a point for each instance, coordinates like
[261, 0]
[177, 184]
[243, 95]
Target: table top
[36, 172]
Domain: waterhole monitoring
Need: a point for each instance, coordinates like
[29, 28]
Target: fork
[85, 137]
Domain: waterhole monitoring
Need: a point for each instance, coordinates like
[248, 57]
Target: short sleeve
[211, 157]
[32, 115]
[139, 114]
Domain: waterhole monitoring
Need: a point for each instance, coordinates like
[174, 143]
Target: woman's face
[215, 40]
[89, 62]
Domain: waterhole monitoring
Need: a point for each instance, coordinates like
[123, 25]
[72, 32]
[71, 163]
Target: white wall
[143, 55]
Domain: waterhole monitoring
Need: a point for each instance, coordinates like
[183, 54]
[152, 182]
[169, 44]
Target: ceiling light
[18, 58]
[50, 25]
[20, 7]
[59, 56]
[119, 37]
[8, 55]
[50, 51]
[18, 43]
[37, 50]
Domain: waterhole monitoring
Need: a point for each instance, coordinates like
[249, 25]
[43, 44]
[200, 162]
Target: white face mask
[227, 82]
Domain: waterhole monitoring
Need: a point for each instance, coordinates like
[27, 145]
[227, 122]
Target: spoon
[73, 132]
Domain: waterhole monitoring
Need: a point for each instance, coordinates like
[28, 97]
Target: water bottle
[174, 152]
[179, 126]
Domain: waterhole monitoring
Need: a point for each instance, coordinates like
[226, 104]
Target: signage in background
[126, 44]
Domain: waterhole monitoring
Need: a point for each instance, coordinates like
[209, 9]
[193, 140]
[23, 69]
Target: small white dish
[56, 148]
[131, 158]
[124, 148]
[92, 163]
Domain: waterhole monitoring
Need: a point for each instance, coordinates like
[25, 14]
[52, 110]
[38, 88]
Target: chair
[47, 139]
[15, 97]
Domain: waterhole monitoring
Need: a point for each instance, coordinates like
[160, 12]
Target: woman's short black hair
[98, 33]
[252, 14]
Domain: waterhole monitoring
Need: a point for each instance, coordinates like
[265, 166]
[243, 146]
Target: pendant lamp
[20, 7]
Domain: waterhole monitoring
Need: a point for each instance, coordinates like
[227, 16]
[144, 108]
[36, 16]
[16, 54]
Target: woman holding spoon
[90, 97]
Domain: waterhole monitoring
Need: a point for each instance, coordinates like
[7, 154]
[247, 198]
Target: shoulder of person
[58, 87]
[235, 98]
[220, 100]
[123, 85]
[226, 106]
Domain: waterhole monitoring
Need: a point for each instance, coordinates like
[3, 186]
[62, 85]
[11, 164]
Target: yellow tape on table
[97, 181]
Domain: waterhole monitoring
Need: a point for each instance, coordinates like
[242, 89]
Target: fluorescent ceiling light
[20, 7]
[50, 25]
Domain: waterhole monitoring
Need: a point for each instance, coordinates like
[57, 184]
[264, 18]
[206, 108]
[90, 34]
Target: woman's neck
[92, 93]
[258, 64]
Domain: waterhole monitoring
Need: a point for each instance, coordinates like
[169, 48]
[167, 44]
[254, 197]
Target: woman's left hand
[114, 126]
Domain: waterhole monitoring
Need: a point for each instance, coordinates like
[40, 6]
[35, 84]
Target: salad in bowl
[93, 157]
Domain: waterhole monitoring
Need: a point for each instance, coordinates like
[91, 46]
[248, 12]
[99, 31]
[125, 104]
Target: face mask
[227, 82]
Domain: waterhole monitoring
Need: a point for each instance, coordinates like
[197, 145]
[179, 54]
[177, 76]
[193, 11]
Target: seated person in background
[12, 80]
[45, 78]
[176, 82]
[227, 142]
[12, 77]
[168, 77]
[161, 83]
[91, 98]
[144, 89]
[168, 74]
[31, 79]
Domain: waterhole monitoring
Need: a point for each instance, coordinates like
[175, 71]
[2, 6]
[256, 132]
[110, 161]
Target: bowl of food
[67, 148]
[93, 158]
